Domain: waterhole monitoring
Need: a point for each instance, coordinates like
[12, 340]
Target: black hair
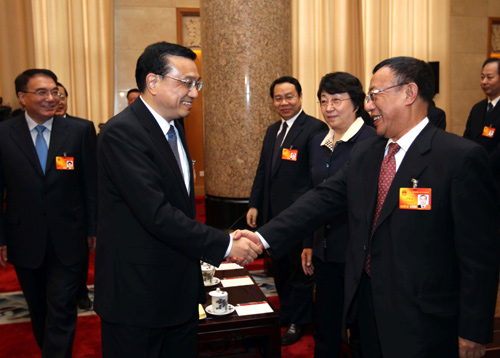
[155, 59]
[59, 84]
[21, 82]
[340, 82]
[286, 79]
[133, 90]
[409, 69]
[492, 59]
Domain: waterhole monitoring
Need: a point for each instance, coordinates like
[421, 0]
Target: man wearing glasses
[419, 283]
[148, 280]
[282, 176]
[51, 207]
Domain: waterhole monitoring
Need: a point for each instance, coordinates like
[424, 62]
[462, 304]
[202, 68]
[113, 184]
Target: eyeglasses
[190, 84]
[371, 95]
[288, 98]
[42, 93]
[334, 102]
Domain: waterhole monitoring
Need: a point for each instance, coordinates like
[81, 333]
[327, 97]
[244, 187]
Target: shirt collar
[406, 141]
[32, 124]
[162, 122]
[494, 101]
[291, 121]
[351, 131]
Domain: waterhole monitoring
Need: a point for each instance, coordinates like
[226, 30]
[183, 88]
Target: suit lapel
[160, 141]
[58, 136]
[22, 136]
[492, 119]
[371, 174]
[413, 164]
[270, 144]
[182, 136]
[477, 123]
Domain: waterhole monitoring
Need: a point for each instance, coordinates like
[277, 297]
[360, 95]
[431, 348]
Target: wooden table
[264, 328]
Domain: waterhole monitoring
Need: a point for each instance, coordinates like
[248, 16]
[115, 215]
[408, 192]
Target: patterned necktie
[387, 173]
[41, 146]
[490, 107]
[172, 140]
[277, 144]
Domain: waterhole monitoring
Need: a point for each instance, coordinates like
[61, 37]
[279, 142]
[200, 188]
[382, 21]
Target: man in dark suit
[148, 280]
[50, 207]
[132, 95]
[484, 119]
[419, 282]
[436, 116]
[82, 296]
[282, 176]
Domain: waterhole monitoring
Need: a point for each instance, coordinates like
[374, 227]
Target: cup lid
[218, 293]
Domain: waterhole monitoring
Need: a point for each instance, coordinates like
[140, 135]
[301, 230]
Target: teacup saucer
[230, 309]
[215, 281]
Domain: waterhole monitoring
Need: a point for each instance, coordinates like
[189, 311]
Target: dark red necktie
[387, 173]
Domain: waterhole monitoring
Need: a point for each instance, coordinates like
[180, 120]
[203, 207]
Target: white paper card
[253, 308]
[228, 266]
[236, 281]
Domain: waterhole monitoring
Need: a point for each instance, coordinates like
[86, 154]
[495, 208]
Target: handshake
[246, 247]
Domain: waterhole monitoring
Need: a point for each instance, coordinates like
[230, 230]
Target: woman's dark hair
[340, 82]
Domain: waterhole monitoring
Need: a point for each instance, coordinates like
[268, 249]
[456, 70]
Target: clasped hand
[246, 247]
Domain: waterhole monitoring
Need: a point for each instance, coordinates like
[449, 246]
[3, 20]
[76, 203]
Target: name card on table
[228, 266]
[236, 281]
[245, 309]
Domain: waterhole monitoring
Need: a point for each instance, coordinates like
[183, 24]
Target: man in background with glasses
[282, 176]
[148, 280]
[419, 282]
[51, 207]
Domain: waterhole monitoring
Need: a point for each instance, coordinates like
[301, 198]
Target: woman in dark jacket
[341, 98]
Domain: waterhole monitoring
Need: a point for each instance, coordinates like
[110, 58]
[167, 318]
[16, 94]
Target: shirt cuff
[230, 246]
[264, 242]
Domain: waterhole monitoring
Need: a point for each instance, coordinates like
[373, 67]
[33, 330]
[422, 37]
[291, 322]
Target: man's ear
[152, 83]
[21, 96]
[411, 93]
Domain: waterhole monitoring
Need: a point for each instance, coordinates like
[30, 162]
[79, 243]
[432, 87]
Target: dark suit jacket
[434, 274]
[332, 237]
[437, 117]
[149, 244]
[61, 203]
[476, 122]
[68, 116]
[272, 192]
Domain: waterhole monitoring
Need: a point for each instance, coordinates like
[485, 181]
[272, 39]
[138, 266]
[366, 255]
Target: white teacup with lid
[219, 301]
[208, 272]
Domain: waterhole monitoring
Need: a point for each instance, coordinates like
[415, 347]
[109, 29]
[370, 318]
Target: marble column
[246, 45]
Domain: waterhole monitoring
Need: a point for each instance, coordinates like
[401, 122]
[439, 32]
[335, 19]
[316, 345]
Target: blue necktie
[172, 140]
[41, 146]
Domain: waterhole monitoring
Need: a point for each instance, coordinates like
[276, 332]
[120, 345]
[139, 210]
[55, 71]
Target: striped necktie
[490, 107]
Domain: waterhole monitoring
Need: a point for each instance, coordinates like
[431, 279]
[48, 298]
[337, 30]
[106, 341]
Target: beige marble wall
[468, 50]
[139, 23]
[246, 46]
